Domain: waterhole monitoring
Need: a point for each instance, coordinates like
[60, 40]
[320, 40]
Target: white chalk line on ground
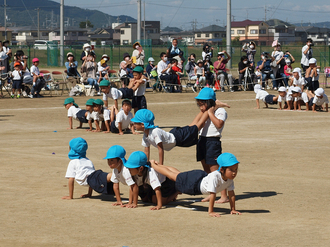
[155, 103]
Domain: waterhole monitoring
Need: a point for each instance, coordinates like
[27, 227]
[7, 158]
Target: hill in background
[24, 13]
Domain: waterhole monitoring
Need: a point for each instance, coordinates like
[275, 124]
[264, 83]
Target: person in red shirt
[220, 70]
[176, 70]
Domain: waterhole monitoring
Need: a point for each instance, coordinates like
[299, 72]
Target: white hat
[298, 70]
[296, 90]
[257, 88]
[312, 60]
[282, 89]
[86, 45]
[319, 92]
[151, 59]
[221, 53]
[105, 55]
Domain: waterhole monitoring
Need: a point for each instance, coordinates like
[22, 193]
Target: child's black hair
[126, 101]
[209, 103]
[162, 54]
[173, 60]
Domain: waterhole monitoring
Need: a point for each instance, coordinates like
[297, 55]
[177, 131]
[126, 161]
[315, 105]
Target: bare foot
[206, 199]
[222, 200]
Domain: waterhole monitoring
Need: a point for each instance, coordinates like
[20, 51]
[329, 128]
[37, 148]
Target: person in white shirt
[82, 170]
[138, 54]
[306, 54]
[282, 98]
[264, 96]
[101, 114]
[120, 121]
[17, 80]
[312, 75]
[38, 80]
[163, 189]
[139, 101]
[319, 99]
[116, 159]
[297, 79]
[198, 182]
[164, 71]
[74, 112]
[301, 98]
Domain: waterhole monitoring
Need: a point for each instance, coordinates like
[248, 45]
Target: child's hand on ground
[68, 128]
[78, 127]
[86, 196]
[118, 204]
[156, 208]
[108, 131]
[89, 130]
[235, 212]
[130, 205]
[213, 214]
[135, 133]
[120, 133]
[256, 108]
[96, 130]
[66, 198]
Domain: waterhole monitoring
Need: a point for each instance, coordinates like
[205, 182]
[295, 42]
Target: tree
[83, 24]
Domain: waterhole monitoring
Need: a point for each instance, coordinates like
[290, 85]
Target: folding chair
[58, 79]
[49, 86]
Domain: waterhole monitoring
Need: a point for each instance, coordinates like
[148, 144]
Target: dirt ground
[282, 186]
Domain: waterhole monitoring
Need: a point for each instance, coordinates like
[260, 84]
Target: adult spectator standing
[250, 50]
[207, 51]
[138, 55]
[89, 67]
[86, 50]
[266, 69]
[306, 54]
[7, 51]
[220, 70]
[191, 64]
[277, 54]
[175, 52]
[164, 70]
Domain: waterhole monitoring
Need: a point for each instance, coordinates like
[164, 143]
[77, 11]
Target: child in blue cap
[116, 160]
[209, 142]
[101, 114]
[198, 182]
[82, 170]
[74, 112]
[153, 187]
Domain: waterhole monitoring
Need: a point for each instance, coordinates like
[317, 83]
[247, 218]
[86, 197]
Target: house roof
[212, 28]
[171, 29]
[303, 28]
[244, 23]
[318, 30]
[278, 23]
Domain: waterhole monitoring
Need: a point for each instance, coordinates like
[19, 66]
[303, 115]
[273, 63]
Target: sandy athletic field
[282, 186]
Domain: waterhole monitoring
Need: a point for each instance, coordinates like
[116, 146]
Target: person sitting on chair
[266, 69]
[71, 65]
[164, 71]
[243, 66]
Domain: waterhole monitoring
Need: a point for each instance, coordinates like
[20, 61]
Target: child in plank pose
[74, 112]
[120, 121]
[319, 99]
[82, 170]
[198, 182]
[282, 97]
[300, 98]
[116, 160]
[163, 189]
[264, 96]
[89, 111]
[101, 114]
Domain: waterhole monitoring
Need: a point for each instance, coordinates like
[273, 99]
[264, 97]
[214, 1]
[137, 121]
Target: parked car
[43, 44]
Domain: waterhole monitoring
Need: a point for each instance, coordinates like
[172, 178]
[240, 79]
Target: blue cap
[78, 148]
[116, 151]
[226, 160]
[146, 117]
[136, 160]
[206, 93]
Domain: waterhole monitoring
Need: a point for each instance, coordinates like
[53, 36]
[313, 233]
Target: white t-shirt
[80, 169]
[26, 73]
[124, 119]
[305, 58]
[289, 94]
[122, 71]
[214, 183]
[35, 70]
[124, 176]
[72, 112]
[280, 98]
[158, 135]
[141, 89]
[161, 66]
[209, 129]
[300, 82]
[105, 116]
[154, 179]
[261, 95]
[113, 94]
[16, 75]
[303, 97]
[318, 101]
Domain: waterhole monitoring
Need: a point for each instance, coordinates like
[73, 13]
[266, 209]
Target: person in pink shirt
[220, 70]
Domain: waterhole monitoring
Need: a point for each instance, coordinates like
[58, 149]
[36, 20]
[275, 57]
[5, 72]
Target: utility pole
[228, 33]
[265, 13]
[139, 21]
[38, 23]
[144, 22]
[5, 8]
[62, 33]
[86, 22]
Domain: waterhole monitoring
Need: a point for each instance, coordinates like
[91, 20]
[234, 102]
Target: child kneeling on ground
[120, 121]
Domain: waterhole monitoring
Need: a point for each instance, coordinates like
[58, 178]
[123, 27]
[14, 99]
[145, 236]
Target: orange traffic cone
[217, 85]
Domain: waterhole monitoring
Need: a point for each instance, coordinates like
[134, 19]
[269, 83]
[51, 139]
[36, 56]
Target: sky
[181, 13]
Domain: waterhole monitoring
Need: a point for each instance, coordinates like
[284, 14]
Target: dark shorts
[17, 84]
[113, 127]
[139, 102]
[310, 102]
[312, 85]
[81, 116]
[209, 149]
[186, 136]
[146, 192]
[98, 182]
[269, 99]
[128, 93]
[190, 182]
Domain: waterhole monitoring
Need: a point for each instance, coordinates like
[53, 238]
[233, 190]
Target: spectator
[175, 52]
[27, 78]
[250, 50]
[103, 70]
[285, 70]
[164, 70]
[71, 69]
[209, 69]
[278, 55]
[306, 54]
[191, 64]
[220, 69]
[7, 51]
[38, 80]
[106, 58]
[207, 51]
[138, 55]
[200, 73]
[312, 76]
[151, 68]
[265, 68]
[244, 65]
[126, 69]
[89, 67]
[86, 50]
